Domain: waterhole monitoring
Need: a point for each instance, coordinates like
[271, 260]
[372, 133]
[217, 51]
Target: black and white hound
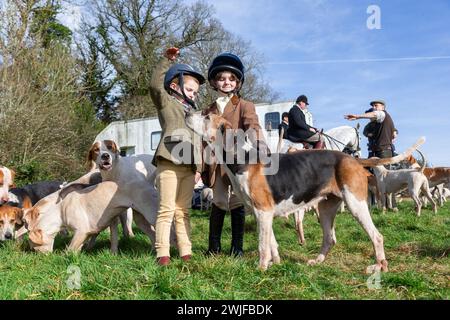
[304, 178]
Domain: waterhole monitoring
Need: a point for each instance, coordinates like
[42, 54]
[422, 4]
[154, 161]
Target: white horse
[344, 138]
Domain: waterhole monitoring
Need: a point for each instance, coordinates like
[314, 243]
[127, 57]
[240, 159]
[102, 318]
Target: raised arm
[157, 91]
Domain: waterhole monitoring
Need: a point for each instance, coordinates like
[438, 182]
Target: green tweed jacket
[178, 143]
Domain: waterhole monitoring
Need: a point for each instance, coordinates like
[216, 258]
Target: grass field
[417, 250]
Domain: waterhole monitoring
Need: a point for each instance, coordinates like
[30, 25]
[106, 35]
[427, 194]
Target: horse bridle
[347, 150]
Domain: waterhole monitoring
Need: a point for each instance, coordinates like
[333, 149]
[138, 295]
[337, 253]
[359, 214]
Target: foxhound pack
[304, 178]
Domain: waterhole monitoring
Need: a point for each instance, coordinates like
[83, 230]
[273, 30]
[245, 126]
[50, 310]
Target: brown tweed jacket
[242, 115]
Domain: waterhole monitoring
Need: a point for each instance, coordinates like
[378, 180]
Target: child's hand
[172, 53]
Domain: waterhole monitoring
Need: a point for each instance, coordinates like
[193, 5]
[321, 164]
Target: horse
[343, 138]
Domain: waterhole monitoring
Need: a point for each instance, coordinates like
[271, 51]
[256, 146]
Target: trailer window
[127, 151]
[155, 137]
[271, 121]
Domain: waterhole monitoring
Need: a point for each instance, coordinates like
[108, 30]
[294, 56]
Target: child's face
[190, 85]
[226, 82]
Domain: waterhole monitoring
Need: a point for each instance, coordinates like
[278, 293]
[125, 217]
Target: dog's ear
[92, 156]
[30, 217]
[36, 237]
[112, 145]
[19, 215]
[13, 175]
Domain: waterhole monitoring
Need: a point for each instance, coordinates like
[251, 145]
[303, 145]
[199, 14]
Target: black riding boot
[215, 229]
[237, 231]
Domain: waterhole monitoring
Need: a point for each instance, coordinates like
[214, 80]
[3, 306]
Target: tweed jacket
[242, 115]
[178, 143]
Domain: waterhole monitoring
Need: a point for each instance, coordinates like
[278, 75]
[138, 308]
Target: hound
[130, 173]
[6, 181]
[437, 176]
[304, 179]
[393, 181]
[19, 199]
[87, 211]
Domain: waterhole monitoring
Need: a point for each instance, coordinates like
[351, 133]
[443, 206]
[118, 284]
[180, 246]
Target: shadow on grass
[425, 250]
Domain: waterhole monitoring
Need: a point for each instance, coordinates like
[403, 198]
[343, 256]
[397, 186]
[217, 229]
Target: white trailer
[141, 136]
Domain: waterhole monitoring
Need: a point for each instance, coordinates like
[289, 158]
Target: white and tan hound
[392, 181]
[86, 211]
[130, 173]
[304, 179]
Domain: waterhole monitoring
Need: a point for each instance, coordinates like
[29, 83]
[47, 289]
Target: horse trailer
[141, 136]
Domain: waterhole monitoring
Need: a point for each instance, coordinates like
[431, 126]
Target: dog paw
[381, 266]
[276, 260]
[320, 258]
[312, 262]
[373, 268]
[395, 209]
[263, 267]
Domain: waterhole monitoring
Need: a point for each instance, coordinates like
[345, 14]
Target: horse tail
[373, 162]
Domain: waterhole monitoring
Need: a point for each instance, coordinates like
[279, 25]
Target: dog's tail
[381, 162]
[424, 161]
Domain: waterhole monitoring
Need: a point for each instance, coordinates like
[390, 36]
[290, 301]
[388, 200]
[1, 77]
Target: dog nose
[8, 235]
[105, 156]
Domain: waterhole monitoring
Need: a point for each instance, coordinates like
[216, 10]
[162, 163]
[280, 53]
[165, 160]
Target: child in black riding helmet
[226, 75]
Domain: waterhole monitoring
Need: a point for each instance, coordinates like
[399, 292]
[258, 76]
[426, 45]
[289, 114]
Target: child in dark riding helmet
[226, 75]
[174, 89]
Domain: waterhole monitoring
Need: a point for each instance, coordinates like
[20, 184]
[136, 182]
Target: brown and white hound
[304, 179]
[19, 199]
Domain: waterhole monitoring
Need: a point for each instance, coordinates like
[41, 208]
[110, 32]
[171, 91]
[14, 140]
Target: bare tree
[131, 36]
[255, 88]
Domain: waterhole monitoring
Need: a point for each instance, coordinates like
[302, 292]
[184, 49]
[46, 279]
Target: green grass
[417, 250]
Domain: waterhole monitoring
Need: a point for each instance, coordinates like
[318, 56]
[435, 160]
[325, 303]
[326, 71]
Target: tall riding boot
[215, 229]
[237, 231]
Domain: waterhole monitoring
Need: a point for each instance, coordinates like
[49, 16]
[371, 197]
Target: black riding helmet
[226, 62]
[180, 70]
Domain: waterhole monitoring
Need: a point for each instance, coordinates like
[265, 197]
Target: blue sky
[323, 49]
[318, 48]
